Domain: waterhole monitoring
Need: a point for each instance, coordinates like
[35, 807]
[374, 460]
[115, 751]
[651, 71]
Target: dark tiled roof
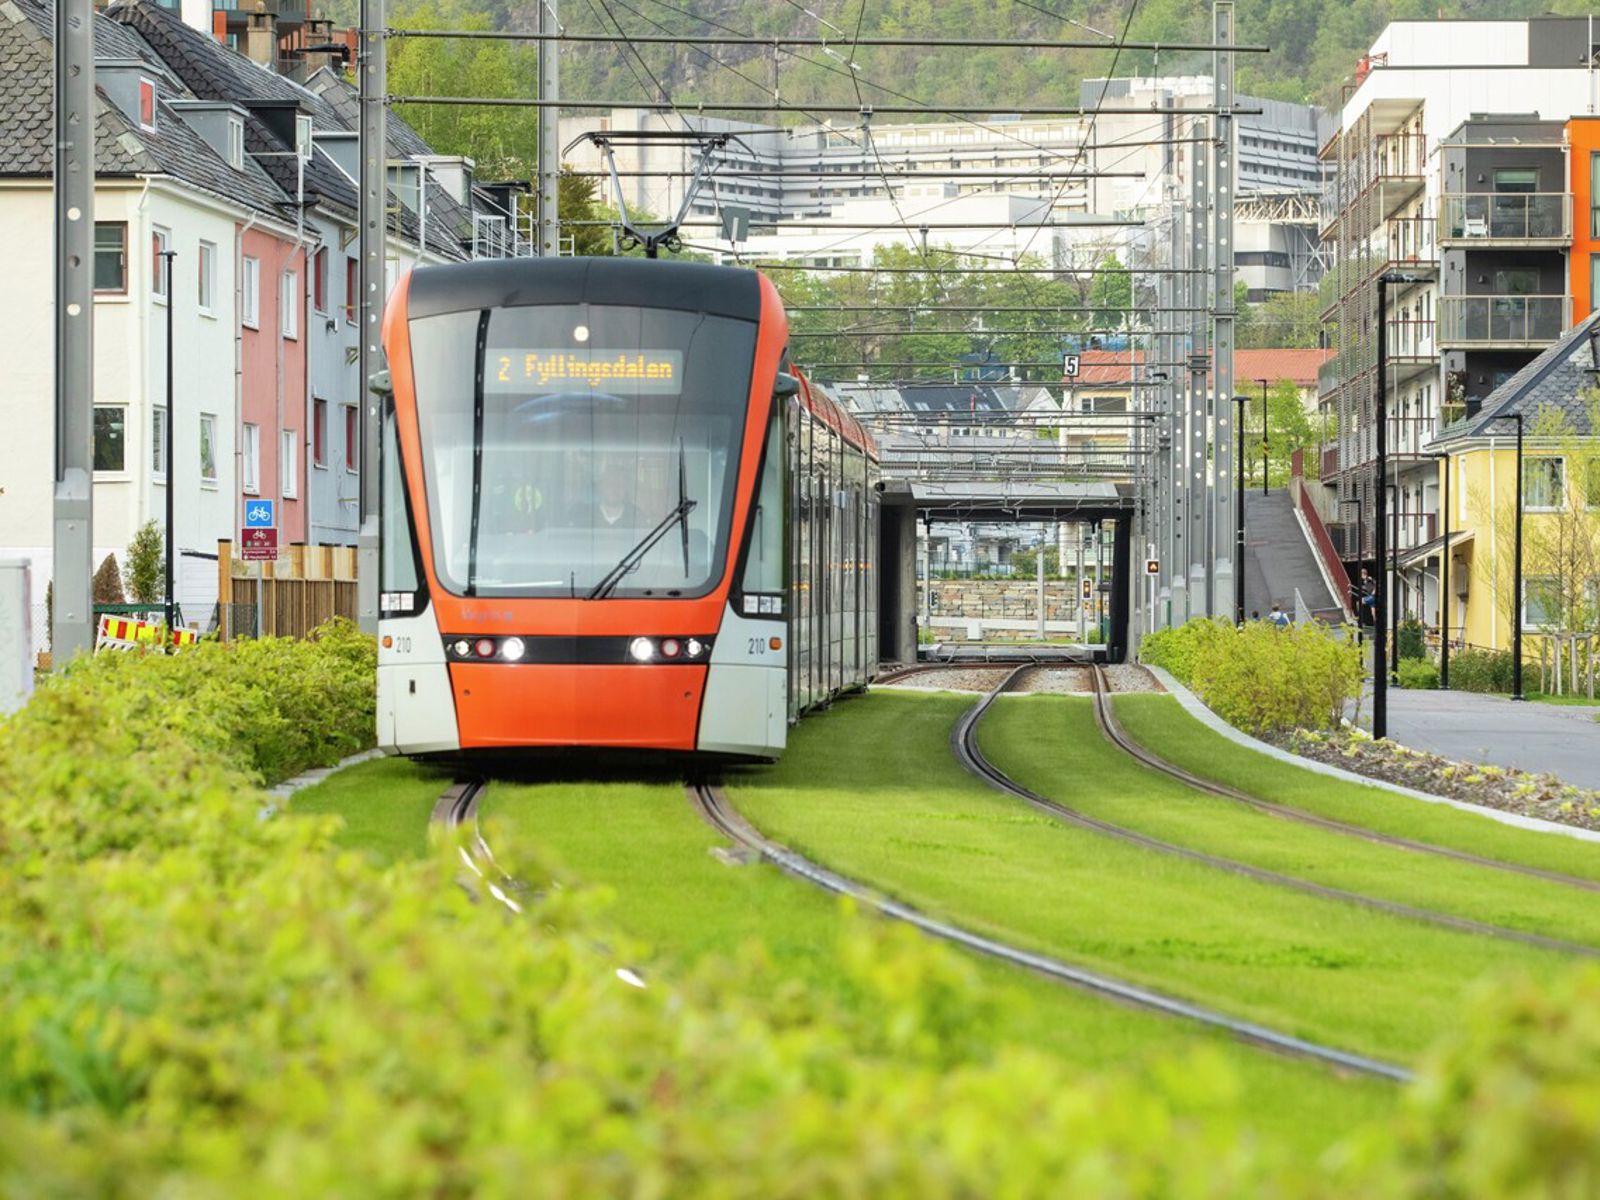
[121, 148]
[1559, 378]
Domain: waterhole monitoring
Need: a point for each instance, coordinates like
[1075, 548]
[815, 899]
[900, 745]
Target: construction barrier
[128, 633]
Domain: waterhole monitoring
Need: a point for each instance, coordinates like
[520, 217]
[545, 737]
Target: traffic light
[1088, 588]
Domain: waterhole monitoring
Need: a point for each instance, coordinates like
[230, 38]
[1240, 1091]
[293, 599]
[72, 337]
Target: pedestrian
[1278, 617]
[1369, 598]
[1255, 614]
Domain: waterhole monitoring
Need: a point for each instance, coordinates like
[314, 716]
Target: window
[302, 136]
[1594, 281]
[1459, 486]
[1544, 483]
[160, 243]
[352, 289]
[147, 104]
[288, 474]
[250, 459]
[397, 564]
[250, 292]
[763, 564]
[1517, 281]
[111, 256]
[352, 437]
[158, 441]
[207, 261]
[1591, 482]
[319, 280]
[208, 447]
[1594, 194]
[319, 433]
[289, 303]
[110, 437]
[1541, 601]
[1516, 179]
[236, 143]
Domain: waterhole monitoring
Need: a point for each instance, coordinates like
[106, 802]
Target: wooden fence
[306, 586]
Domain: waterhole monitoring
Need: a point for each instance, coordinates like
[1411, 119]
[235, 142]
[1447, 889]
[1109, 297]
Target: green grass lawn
[1159, 723]
[1051, 745]
[872, 789]
[385, 804]
[645, 843]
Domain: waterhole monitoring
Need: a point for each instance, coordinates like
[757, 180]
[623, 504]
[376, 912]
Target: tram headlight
[693, 647]
[462, 647]
[641, 649]
[512, 649]
[671, 648]
[484, 647]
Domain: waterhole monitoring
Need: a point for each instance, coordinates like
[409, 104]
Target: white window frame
[158, 442]
[250, 287]
[351, 459]
[319, 452]
[147, 84]
[1553, 581]
[113, 472]
[303, 136]
[288, 466]
[208, 432]
[206, 278]
[289, 304]
[1561, 484]
[319, 279]
[236, 143]
[160, 292]
[250, 459]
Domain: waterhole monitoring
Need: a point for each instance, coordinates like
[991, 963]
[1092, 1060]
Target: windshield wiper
[629, 561]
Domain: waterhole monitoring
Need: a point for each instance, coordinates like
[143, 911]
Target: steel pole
[1225, 569]
[549, 146]
[373, 236]
[72, 567]
[1394, 609]
[1516, 580]
[1444, 582]
[1264, 436]
[1238, 522]
[1380, 678]
[172, 475]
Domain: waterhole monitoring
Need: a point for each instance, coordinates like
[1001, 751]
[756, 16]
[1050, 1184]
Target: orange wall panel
[1583, 137]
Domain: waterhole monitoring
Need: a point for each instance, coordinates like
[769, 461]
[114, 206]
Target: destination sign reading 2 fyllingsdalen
[520, 370]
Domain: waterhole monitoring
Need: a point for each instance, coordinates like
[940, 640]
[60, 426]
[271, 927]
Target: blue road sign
[258, 514]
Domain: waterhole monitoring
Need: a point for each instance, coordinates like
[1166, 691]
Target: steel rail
[457, 809]
[812, 42]
[714, 807]
[964, 743]
[1112, 729]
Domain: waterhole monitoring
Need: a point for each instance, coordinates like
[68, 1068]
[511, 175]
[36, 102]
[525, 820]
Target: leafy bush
[1410, 641]
[106, 586]
[1260, 677]
[1418, 673]
[1481, 670]
[147, 564]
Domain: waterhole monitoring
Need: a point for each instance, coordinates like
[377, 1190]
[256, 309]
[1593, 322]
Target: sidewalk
[1563, 740]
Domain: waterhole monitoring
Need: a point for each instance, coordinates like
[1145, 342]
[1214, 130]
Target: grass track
[646, 844]
[1049, 744]
[385, 805]
[1160, 724]
[873, 791]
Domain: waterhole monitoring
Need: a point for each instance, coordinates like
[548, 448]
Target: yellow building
[1557, 398]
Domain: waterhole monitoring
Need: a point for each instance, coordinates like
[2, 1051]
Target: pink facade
[273, 375]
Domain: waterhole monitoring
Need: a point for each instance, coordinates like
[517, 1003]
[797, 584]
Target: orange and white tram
[612, 515]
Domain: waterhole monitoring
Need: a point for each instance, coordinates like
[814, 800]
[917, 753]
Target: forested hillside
[1314, 45]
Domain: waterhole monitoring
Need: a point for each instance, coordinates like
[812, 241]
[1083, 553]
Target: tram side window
[763, 567]
[398, 564]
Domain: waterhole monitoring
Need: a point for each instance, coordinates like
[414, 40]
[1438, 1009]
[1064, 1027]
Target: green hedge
[1418, 673]
[203, 1003]
[1259, 677]
[1481, 670]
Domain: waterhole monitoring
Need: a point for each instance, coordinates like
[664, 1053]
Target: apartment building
[1452, 174]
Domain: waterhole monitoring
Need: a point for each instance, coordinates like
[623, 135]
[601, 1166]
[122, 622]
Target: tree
[1111, 294]
[107, 585]
[1289, 428]
[147, 563]
[1291, 320]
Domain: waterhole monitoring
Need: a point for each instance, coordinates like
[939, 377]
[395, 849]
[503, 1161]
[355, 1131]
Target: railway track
[457, 809]
[1114, 732]
[964, 743]
[714, 807]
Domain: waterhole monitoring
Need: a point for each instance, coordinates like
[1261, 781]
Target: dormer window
[147, 104]
[302, 136]
[236, 143]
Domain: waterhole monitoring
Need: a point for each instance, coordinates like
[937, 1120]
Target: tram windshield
[581, 450]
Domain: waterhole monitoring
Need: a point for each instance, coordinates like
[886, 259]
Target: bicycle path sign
[260, 514]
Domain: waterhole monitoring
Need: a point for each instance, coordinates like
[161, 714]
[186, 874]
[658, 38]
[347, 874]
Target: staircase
[1278, 560]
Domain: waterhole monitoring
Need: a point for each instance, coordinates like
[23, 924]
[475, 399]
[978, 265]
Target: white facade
[131, 376]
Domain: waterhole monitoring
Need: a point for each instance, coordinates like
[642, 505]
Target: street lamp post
[1360, 529]
[1238, 517]
[1516, 573]
[1380, 521]
[1263, 384]
[171, 463]
[1444, 578]
[1395, 582]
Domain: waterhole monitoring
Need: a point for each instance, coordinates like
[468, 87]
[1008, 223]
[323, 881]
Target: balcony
[1505, 322]
[1413, 529]
[1506, 219]
[1409, 242]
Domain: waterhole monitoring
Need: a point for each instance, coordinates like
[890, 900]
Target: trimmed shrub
[1260, 677]
[1481, 670]
[147, 564]
[1418, 673]
[106, 586]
